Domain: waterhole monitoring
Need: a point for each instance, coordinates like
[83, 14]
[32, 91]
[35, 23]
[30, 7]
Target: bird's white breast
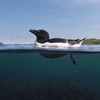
[56, 44]
[48, 44]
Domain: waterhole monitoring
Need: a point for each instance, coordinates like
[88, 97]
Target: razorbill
[39, 34]
[43, 40]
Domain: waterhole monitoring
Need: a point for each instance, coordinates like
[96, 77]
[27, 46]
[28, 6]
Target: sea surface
[26, 75]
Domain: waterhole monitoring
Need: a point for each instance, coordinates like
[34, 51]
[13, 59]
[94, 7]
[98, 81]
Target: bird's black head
[41, 35]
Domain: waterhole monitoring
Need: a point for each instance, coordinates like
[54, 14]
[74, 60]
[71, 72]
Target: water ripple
[26, 48]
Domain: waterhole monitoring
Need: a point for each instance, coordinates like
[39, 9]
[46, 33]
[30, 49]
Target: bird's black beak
[34, 31]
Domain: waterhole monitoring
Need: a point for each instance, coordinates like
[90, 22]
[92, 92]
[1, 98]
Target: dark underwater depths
[32, 77]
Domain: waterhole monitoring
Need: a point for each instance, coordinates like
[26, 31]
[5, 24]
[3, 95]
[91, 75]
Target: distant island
[1, 43]
[92, 41]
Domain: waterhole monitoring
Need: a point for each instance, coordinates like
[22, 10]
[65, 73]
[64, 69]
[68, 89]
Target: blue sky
[61, 18]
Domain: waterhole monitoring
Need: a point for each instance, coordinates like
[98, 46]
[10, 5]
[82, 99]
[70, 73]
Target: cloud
[97, 26]
[64, 21]
[77, 2]
[87, 1]
[80, 2]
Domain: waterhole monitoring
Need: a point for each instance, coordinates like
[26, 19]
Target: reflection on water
[29, 76]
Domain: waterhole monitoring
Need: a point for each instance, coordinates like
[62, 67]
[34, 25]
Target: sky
[70, 19]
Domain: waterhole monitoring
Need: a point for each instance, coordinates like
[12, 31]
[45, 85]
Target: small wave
[27, 48]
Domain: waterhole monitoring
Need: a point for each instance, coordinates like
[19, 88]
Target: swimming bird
[43, 40]
[42, 37]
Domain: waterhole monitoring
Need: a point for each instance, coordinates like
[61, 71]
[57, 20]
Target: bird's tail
[84, 38]
[81, 41]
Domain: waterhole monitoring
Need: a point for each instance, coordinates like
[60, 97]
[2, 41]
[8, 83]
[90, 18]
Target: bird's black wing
[53, 40]
[73, 39]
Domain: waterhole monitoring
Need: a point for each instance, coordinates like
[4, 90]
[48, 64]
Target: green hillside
[91, 41]
[1, 43]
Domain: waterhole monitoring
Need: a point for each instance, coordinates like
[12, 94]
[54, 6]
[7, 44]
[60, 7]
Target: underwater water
[26, 75]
